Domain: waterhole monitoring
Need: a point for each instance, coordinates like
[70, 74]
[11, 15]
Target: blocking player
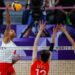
[40, 66]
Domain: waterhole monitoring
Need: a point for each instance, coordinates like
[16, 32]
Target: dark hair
[45, 54]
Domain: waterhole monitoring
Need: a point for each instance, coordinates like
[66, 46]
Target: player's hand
[7, 4]
[15, 59]
[42, 25]
[56, 29]
[18, 57]
[63, 28]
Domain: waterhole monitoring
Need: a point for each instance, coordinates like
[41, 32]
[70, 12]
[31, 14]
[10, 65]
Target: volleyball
[16, 6]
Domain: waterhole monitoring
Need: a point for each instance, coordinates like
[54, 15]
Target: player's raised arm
[55, 29]
[34, 55]
[63, 28]
[8, 23]
[8, 20]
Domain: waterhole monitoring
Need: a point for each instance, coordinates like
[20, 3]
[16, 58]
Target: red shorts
[6, 69]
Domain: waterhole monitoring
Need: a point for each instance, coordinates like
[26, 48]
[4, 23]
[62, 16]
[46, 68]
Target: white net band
[39, 48]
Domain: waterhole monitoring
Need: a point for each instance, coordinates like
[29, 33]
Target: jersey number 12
[40, 71]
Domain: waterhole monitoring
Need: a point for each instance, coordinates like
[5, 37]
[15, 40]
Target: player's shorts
[6, 69]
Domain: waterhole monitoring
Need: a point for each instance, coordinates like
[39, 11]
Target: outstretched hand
[42, 25]
[63, 28]
[7, 4]
[56, 29]
[60, 28]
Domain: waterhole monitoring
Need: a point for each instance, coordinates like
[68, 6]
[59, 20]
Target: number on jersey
[40, 71]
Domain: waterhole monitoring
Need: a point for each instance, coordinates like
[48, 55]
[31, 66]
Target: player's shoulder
[37, 61]
[13, 43]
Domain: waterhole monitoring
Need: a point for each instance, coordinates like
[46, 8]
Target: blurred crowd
[38, 12]
[1, 11]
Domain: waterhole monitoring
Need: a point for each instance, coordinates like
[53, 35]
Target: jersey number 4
[40, 71]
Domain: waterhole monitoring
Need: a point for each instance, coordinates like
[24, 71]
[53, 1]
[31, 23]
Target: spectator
[1, 11]
[26, 13]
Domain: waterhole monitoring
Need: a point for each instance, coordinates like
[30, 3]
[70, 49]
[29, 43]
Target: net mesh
[64, 67]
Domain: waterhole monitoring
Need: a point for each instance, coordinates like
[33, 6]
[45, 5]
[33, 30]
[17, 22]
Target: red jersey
[39, 68]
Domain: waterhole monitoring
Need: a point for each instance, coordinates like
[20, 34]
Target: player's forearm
[69, 38]
[7, 11]
[53, 37]
[34, 56]
[37, 37]
[53, 41]
[36, 43]
[8, 20]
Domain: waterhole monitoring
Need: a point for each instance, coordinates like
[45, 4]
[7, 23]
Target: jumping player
[6, 56]
[41, 66]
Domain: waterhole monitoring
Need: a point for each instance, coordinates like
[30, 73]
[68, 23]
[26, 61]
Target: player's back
[39, 68]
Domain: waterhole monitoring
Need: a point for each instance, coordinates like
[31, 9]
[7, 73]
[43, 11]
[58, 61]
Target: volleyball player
[63, 29]
[6, 56]
[40, 66]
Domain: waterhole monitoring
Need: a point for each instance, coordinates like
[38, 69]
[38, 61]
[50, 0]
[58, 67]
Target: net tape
[39, 48]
